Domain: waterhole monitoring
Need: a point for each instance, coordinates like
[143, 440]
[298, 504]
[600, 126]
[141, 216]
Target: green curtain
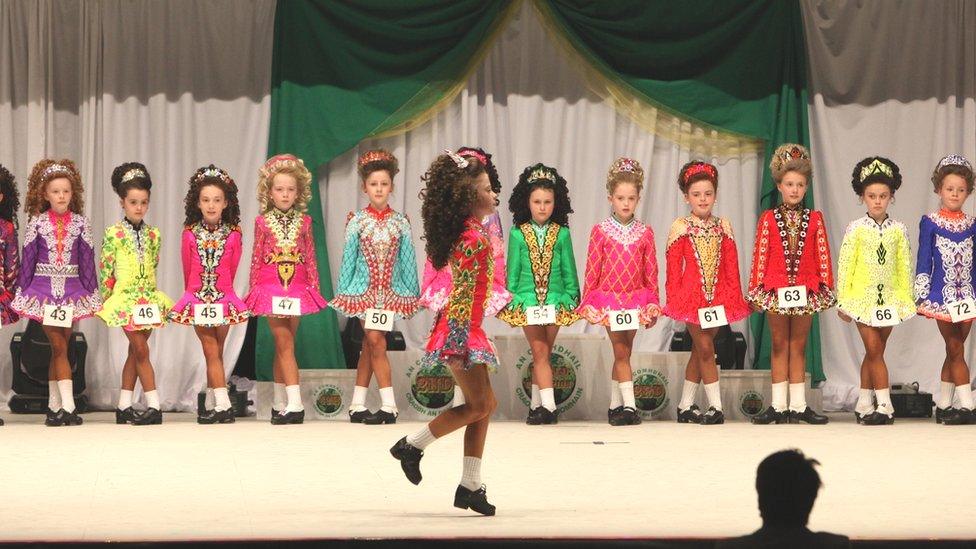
[735, 65]
[345, 71]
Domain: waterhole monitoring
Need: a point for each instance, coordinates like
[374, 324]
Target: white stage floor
[327, 479]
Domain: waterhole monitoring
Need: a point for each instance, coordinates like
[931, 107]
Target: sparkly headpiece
[625, 165]
[876, 167]
[464, 151]
[458, 159]
[697, 168]
[55, 169]
[374, 156]
[948, 160]
[214, 171]
[132, 174]
[279, 161]
[786, 153]
[542, 174]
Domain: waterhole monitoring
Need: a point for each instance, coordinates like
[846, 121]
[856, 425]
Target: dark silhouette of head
[787, 483]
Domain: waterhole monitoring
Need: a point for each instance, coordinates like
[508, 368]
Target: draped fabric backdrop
[112, 81]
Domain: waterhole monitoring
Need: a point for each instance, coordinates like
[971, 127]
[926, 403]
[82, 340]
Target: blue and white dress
[944, 267]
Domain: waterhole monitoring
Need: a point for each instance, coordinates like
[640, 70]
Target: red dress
[791, 250]
[457, 329]
[702, 270]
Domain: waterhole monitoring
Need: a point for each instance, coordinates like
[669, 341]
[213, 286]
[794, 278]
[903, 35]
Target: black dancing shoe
[613, 412]
[768, 416]
[877, 418]
[807, 416]
[533, 417]
[1, 422]
[627, 416]
[213, 416]
[691, 415]
[359, 417]
[70, 418]
[712, 416]
[476, 500]
[546, 416]
[381, 417]
[53, 419]
[940, 413]
[957, 416]
[151, 416]
[288, 418]
[124, 416]
[409, 456]
[859, 417]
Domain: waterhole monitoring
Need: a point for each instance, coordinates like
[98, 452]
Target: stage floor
[329, 479]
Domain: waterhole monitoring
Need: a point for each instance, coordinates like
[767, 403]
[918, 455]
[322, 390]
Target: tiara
[458, 159]
[876, 167]
[697, 168]
[132, 174]
[55, 169]
[793, 152]
[542, 174]
[465, 151]
[214, 171]
[279, 161]
[626, 165]
[953, 160]
[375, 156]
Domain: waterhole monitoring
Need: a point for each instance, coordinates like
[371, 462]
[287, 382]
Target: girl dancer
[9, 256]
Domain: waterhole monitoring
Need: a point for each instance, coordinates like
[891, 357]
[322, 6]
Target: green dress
[541, 271]
[127, 275]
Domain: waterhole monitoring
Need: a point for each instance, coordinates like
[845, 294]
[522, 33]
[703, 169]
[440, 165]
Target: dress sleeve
[257, 253]
[350, 257]
[308, 250]
[106, 265]
[674, 264]
[514, 266]
[468, 259]
[186, 254]
[760, 254]
[29, 257]
[846, 260]
[11, 262]
[570, 276]
[729, 268]
[924, 264]
[903, 268]
[594, 261]
[650, 266]
[233, 251]
[405, 282]
[825, 266]
[87, 274]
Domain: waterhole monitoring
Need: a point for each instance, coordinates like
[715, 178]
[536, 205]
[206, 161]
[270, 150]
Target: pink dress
[457, 329]
[210, 259]
[283, 263]
[436, 285]
[621, 272]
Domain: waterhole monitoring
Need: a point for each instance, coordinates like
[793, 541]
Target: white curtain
[174, 85]
[894, 79]
[527, 104]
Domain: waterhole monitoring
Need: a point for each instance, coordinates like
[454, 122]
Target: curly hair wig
[205, 177]
[11, 196]
[875, 169]
[45, 171]
[128, 176]
[449, 198]
[540, 176]
[289, 165]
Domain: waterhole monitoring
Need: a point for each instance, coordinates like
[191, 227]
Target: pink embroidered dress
[210, 259]
[436, 284]
[621, 272]
[457, 329]
[283, 263]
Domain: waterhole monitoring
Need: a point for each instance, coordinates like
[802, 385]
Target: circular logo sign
[563, 378]
[751, 403]
[650, 391]
[433, 386]
[328, 400]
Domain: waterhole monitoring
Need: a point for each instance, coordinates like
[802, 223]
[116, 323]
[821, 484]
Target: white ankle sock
[221, 399]
[389, 401]
[125, 399]
[688, 390]
[779, 396]
[627, 394]
[458, 399]
[65, 387]
[946, 391]
[294, 395]
[280, 399]
[421, 439]
[358, 403]
[53, 396]
[471, 474]
[884, 402]
[616, 401]
[714, 395]
[864, 404]
[548, 398]
[152, 399]
[965, 394]
[798, 398]
[536, 399]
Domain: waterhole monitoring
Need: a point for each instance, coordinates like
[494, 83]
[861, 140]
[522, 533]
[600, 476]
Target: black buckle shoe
[546, 416]
[940, 413]
[476, 500]
[288, 418]
[53, 419]
[712, 416]
[807, 416]
[124, 416]
[691, 415]
[409, 457]
[381, 417]
[151, 416]
[859, 417]
[957, 416]
[533, 417]
[214, 416]
[613, 412]
[877, 418]
[768, 416]
[358, 417]
[70, 418]
[626, 416]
